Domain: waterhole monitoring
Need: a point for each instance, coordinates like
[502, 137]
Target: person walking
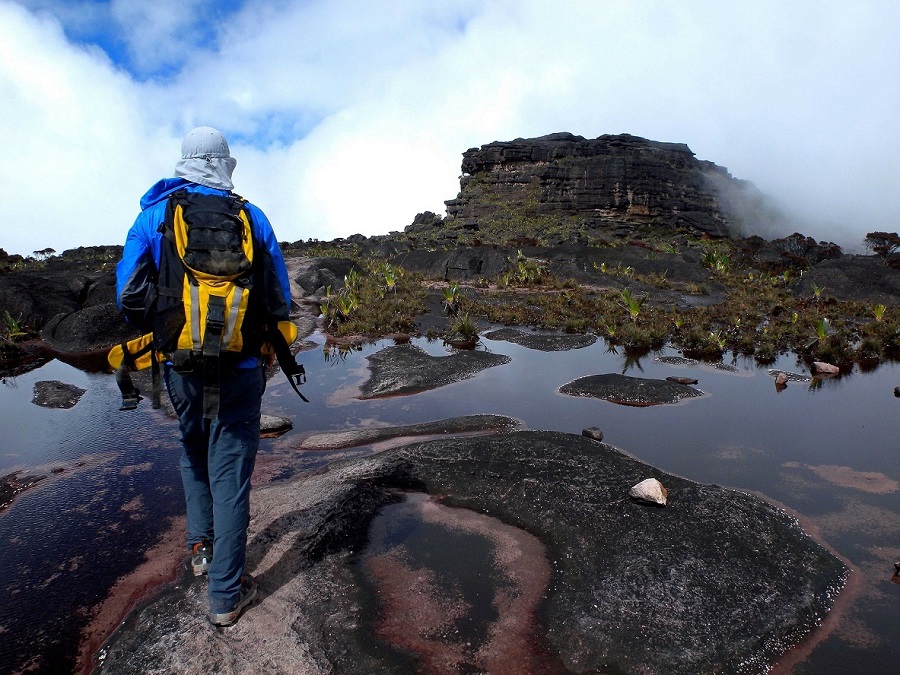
[217, 398]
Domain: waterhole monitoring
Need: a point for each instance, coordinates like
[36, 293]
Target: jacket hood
[161, 190]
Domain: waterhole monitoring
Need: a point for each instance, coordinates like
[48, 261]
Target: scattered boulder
[788, 376]
[93, 328]
[682, 380]
[650, 490]
[795, 252]
[272, 426]
[593, 432]
[462, 263]
[821, 368]
[314, 275]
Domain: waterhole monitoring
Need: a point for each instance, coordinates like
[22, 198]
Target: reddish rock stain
[417, 613]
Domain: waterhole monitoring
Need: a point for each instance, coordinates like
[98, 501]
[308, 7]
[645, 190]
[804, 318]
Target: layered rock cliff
[531, 187]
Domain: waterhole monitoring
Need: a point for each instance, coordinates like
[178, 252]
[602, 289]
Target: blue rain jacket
[141, 256]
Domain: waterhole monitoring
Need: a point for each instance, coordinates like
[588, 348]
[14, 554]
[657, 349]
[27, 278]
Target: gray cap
[206, 159]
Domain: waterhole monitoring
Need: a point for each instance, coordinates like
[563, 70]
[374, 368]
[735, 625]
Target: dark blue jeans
[216, 465]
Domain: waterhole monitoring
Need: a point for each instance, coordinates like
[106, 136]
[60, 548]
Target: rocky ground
[689, 587]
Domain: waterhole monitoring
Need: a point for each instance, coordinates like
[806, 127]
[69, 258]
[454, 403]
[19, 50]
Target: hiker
[216, 394]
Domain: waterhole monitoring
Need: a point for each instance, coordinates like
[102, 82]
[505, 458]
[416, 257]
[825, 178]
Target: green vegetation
[377, 298]
[463, 330]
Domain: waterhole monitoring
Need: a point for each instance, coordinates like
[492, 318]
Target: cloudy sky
[351, 116]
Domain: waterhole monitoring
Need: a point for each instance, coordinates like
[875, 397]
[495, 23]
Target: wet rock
[821, 368]
[356, 437]
[628, 390]
[593, 432]
[542, 342]
[584, 264]
[13, 484]
[694, 587]
[681, 380]
[678, 360]
[98, 327]
[781, 380]
[650, 490]
[406, 369]
[272, 426]
[788, 376]
[54, 394]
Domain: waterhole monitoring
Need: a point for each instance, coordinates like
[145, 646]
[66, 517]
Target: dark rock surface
[608, 180]
[718, 581]
[33, 298]
[457, 425]
[314, 275]
[541, 341]
[97, 327]
[54, 394]
[629, 390]
[459, 264]
[14, 483]
[793, 252]
[407, 369]
[853, 277]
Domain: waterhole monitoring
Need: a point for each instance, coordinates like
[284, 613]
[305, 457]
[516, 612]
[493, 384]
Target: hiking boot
[248, 592]
[201, 557]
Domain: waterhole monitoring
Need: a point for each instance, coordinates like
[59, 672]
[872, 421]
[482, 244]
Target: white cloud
[77, 153]
[159, 33]
[352, 117]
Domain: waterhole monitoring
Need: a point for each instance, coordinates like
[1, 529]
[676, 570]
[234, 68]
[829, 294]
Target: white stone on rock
[651, 491]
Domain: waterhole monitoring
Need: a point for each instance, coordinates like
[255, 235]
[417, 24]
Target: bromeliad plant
[463, 329]
[717, 260]
[451, 298]
[631, 303]
[12, 328]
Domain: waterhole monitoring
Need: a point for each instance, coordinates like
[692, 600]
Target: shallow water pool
[826, 450]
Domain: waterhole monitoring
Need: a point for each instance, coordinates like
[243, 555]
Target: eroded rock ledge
[716, 581]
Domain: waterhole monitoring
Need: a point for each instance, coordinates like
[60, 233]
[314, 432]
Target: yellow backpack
[210, 300]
